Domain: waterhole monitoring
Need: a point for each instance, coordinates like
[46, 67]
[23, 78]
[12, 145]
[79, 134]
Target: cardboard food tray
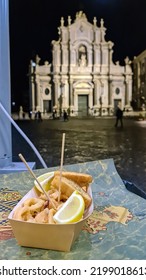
[58, 237]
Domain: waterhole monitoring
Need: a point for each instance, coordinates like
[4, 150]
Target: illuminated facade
[139, 80]
[82, 77]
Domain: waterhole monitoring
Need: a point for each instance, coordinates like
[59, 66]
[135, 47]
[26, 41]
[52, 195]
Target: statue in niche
[82, 60]
[82, 49]
[82, 56]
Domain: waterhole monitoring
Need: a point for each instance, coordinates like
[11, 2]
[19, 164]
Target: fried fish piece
[68, 187]
[81, 179]
[42, 217]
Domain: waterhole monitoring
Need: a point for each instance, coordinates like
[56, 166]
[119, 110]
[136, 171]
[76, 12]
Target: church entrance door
[82, 105]
[47, 106]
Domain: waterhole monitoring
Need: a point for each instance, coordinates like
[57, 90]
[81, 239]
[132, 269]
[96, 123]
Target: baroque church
[82, 78]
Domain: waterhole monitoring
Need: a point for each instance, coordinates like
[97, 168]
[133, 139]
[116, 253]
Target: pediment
[81, 29]
[82, 85]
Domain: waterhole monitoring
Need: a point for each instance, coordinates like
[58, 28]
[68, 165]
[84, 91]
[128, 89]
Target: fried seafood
[68, 187]
[80, 178]
[21, 213]
[42, 217]
[34, 204]
[40, 210]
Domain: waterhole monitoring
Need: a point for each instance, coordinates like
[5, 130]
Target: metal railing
[24, 136]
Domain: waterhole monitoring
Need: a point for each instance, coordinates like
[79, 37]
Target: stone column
[33, 94]
[96, 106]
[95, 93]
[36, 94]
[110, 97]
[110, 93]
[126, 93]
[66, 95]
[71, 101]
[91, 100]
[5, 94]
[71, 98]
[130, 91]
[56, 93]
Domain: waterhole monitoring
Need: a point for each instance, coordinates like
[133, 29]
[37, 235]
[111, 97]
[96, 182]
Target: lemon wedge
[45, 181]
[71, 211]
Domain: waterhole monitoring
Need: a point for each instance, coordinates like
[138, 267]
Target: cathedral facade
[82, 78]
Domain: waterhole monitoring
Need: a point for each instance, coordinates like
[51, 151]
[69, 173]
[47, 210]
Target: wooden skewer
[61, 164]
[32, 173]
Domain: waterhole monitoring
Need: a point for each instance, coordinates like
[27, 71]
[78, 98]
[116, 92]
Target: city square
[87, 140]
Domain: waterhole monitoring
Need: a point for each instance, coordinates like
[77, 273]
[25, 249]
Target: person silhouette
[39, 116]
[65, 117]
[119, 116]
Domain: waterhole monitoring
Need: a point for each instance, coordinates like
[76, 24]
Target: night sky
[34, 23]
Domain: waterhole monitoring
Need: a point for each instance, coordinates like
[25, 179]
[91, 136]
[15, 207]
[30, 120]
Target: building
[139, 80]
[82, 77]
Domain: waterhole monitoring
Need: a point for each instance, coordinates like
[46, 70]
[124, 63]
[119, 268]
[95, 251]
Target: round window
[117, 90]
[47, 91]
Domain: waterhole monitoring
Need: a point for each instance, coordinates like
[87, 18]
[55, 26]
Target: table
[115, 230]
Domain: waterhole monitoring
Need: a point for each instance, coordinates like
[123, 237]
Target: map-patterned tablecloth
[115, 230]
